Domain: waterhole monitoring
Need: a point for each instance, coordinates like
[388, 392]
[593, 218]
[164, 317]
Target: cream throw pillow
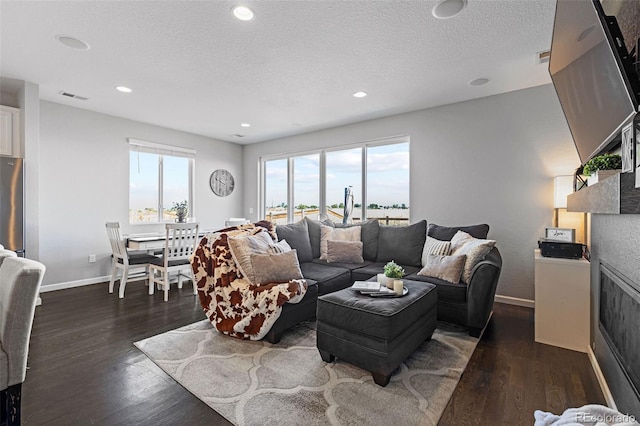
[276, 268]
[475, 249]
[243, 246]
[336, 234]
[434, 246]
[448, 268]
[344, 251]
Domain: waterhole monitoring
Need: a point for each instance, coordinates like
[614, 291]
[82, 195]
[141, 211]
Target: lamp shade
[562, 187]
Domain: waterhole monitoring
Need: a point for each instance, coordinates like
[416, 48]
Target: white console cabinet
[10, 131]
[562, 305]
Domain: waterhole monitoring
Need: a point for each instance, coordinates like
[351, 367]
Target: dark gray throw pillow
[446, 233]
[403, 244]
[368, 235]
[297, 235]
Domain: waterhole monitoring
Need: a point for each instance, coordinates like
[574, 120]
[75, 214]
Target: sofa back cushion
[297, 235]
[314, 234]
[403, 244]
[446, 233]
[368, 235]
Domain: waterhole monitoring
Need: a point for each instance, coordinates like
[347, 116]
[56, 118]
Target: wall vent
[71, 95]
[543, 57]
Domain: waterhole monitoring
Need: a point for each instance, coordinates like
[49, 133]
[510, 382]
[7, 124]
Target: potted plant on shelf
[602, 167]
[181, 208]
[393, 271]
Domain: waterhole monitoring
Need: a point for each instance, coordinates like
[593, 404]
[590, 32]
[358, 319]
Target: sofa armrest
[481, 290]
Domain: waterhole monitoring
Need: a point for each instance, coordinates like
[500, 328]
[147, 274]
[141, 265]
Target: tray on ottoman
[376, 334]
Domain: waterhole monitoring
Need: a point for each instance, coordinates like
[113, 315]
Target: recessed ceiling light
[123, 89]
[448, 8]
[359, 94]
[479, 81]
[72, 42]
[245, 125]
[243, 13]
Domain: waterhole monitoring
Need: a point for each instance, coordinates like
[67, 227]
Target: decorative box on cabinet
[562, 302]
[9, 131]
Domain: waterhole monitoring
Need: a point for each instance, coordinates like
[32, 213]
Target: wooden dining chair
[180, 243]
[125, 260]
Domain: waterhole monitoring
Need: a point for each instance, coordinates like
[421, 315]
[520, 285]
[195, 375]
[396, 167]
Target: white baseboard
[71, 284]
[601, 380]
[515, 301]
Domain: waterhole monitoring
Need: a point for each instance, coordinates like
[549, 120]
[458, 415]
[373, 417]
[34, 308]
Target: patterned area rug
[257, 383]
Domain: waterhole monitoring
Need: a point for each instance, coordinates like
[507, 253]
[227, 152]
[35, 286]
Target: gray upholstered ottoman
[376, 333]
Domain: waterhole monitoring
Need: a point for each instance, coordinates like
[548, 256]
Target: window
[159, 176]
[275, 191]
[388, 183]
[314, 184]
[306, 186]
[344, 169]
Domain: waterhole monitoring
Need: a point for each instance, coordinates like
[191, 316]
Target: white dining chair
[20, 281]
[125, 260]
[180, 243]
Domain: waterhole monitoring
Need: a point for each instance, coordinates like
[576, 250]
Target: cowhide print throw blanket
[234, 305]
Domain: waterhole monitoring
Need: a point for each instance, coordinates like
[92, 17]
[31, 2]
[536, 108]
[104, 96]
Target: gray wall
[84, 182]
[487, 160]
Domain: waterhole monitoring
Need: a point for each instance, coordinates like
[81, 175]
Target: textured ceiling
[293, 69]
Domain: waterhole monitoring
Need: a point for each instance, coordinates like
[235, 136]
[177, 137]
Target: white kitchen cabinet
[10, 131]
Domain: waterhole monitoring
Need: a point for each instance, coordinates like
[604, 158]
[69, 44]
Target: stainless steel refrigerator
[12, 204]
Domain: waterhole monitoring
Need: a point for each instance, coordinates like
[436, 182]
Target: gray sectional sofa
[469, 304]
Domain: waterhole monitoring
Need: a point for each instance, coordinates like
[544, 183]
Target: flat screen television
[593, 70]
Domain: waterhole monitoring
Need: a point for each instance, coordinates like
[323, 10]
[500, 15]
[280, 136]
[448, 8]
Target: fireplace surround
[615, 305]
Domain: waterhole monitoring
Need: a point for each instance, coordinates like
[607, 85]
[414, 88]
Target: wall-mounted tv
[593, 71]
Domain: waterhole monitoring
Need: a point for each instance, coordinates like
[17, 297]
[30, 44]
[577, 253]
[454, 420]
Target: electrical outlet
[250, 210]
[92, 258]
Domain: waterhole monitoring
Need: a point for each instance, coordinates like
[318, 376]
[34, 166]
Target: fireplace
[619, 322]
[615, 305]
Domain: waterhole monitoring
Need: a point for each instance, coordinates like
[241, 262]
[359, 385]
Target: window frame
[396, 140]
[162, 150]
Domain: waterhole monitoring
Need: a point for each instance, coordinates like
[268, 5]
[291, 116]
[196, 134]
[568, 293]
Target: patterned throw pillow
[243, 246]
[344, 251]
[448, 268]
[433, 246]
[276, 268]
[341, 234]
[475, 250]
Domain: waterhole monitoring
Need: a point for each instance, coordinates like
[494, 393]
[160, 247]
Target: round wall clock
[221, 182]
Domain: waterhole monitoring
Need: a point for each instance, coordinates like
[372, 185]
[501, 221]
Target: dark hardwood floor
[84, 369]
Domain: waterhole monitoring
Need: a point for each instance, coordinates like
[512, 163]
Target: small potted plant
[181, 208]
[393, 271]
[602, 166]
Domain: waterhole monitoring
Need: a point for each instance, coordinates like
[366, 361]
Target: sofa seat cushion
[328, 278]
[446, 290]
[349, 266]
[375, 268]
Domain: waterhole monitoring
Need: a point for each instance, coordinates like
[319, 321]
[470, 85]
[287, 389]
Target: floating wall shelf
[614, 195]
